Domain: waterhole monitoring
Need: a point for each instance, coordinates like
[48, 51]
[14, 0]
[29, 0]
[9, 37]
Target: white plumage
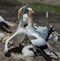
[38, 42]
[43, 31]
[27, 52]
[25, 19]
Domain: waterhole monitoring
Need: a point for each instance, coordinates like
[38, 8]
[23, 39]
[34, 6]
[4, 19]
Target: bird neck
[20, 18]
[30, 21]
[20, 23]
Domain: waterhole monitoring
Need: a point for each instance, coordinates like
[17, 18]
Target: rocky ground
[10, 14]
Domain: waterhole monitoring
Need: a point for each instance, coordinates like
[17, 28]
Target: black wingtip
[5, 27]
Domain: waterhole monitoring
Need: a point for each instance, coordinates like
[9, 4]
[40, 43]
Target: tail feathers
[5, 24]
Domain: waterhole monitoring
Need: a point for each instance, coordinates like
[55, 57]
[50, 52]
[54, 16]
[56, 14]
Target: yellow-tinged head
[30, 9]
[19, 14]
[30, 12]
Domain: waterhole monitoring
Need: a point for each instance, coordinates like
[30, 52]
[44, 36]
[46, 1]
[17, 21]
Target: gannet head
[22, 12]
[25, 15]
[30, 16]
[30, 12]
[30, 9]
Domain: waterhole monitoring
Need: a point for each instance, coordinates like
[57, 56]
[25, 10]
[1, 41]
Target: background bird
[4, 26]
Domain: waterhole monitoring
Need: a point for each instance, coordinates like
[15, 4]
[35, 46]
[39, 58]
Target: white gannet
[34, 36]
[44, 31]
[4, 25]
[20, 33]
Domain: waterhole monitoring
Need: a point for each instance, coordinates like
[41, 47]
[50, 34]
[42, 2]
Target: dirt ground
[10, 14]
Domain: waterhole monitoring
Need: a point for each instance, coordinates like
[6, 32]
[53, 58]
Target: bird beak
[32, 11]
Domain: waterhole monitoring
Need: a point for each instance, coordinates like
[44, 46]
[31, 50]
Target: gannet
[20, 33]
[34, 36]
[44, 31]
